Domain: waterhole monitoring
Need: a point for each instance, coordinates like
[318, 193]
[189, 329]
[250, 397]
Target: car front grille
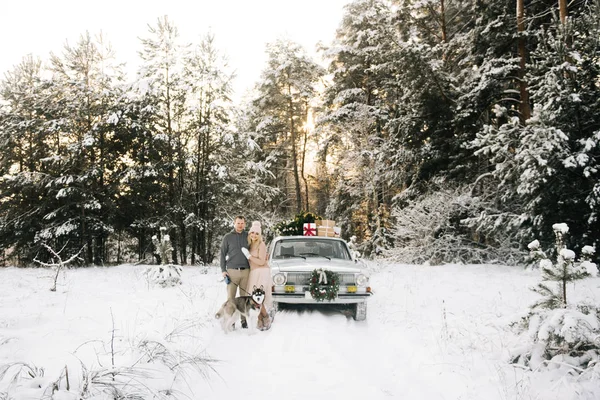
[302, 278]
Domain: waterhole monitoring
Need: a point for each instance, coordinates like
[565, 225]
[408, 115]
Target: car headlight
[279, 279]
[361, 280]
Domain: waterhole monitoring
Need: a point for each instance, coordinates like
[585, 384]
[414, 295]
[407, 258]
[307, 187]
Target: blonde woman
[260, 273]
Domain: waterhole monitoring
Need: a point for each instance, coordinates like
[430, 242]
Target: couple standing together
[244, 261]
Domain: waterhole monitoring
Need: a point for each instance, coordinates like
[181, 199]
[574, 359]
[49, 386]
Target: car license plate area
[290, 288]
[351, 289]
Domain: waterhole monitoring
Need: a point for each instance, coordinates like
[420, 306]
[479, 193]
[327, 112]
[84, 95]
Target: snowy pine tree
[161, 80]
[26, 125]
[209, 110]
[560, 331]
[546, 169]
[562, 272]
[358, 182]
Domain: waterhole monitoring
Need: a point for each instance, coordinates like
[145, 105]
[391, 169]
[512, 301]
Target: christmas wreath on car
[324, 285]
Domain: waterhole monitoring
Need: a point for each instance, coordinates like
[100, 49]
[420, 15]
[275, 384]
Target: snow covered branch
[59, 265]
[441, 227]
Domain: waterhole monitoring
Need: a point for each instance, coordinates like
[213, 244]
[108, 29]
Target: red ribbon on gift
[310, 230]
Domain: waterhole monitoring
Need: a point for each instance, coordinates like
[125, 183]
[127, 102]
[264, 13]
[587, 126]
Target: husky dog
[247, 306]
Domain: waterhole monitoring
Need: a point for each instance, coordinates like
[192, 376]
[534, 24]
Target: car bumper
[306, 298]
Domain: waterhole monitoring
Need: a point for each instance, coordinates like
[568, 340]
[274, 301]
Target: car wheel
[360, 311]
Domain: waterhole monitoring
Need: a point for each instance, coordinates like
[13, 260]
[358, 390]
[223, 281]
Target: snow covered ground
[431, 333]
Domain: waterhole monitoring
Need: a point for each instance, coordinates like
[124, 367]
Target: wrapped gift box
[325, 227]
[328, 223]
[324, 231]
[310, 229]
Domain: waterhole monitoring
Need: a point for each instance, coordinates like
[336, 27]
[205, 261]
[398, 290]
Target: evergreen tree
[556, 329]
[280, 117]
[561, 147]
[138, 194]
[209, 121]
[84, 87]
[546, 169]
[26, 138]
[562, 272]
[358, 104]
[161, 79]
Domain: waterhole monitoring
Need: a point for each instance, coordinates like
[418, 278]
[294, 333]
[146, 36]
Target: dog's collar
[255, 303]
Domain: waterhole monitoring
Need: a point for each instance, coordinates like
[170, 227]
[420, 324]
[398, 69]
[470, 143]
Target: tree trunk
[306, 205]
[562, 6]
[140, 239]
[89, 251]
[183, 244]
[175, 244]
[99, 250]
[170, 158]
[119, 247]
[193, 238]
[443, 22]
[204, 189]
[524, 105]
[294, 153]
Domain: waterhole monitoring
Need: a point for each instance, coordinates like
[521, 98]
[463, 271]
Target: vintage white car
[301, 266]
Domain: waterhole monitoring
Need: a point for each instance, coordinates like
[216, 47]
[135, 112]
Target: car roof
[307, 238]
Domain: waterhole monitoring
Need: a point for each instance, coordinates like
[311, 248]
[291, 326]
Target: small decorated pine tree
[164, 275]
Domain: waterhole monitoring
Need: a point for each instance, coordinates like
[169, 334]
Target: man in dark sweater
[234, 263]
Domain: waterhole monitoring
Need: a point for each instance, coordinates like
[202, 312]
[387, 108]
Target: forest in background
[439, 131]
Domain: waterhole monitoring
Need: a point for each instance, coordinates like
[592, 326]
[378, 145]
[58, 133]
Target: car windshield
[303, 248]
